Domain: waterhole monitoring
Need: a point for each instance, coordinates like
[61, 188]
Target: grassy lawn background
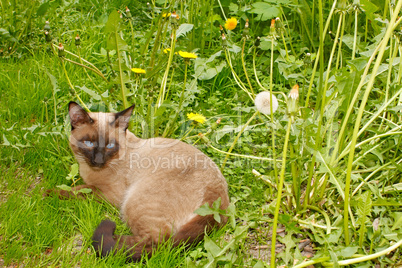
[36, 86]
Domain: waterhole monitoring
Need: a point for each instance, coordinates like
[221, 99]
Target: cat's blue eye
[89, 143]
[110, 145]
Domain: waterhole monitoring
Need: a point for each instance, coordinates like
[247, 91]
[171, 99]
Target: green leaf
[184, 29]
[85, 190]
[112, 24]
[90, 92]
[64, 187]
[42, 9]
[73, 172]
[363, 211]
[265, 11]
[398, 220]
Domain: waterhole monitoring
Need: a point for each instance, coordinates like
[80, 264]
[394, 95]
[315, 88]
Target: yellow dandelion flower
[199, 118]
[231, 24]
[138, 70]
[166, 15]
[166, 50]
[187, 55]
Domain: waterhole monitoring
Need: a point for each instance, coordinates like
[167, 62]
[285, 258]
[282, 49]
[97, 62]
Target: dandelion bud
[77, 41]
[307, 59]
[257, 41]
[214, 126]
[174, 18]
[293, 100]
[61, 50]
[278, 25]
[47, 26]
[246, 30]
[48, 37]
[128, 13]
[224, 41]
[203, 138]
[221, 29]
[263, 102]
[272, 29]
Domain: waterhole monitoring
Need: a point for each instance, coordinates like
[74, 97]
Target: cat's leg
[106, 243]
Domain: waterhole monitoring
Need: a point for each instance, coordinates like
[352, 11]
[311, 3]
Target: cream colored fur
[156, 183]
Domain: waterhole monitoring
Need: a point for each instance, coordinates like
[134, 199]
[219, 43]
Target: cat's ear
[123, 118]
[78, 116]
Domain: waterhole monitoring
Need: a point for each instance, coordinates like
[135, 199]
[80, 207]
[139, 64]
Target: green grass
[38, 231]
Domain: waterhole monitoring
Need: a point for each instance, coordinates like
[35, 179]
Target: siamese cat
[156, 183]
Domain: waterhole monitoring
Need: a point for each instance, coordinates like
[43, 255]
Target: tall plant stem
[319, 138]
[271, 88]
[244, 67]
[162, 91]
[355, 36]
[359, 117]
[72, 87]
[171, 122]
[339, 58]
[92, 68]
[318, 58]
[278, 199]
[320, 99]
[223, 12]
[235, 76]
[122, 84]
[236, 139]
[89, 77]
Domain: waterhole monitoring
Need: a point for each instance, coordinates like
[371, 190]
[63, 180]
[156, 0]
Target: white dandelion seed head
[263, 102]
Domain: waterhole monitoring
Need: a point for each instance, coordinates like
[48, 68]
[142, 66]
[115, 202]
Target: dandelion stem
[278, 199]
[223, 12]
[244, 67]
[72, 87]
[237, 138]
[271, 108]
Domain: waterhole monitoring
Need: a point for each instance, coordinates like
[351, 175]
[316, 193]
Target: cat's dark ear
[78, 116]
[123, 118]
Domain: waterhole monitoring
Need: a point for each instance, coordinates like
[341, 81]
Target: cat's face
[97, 138]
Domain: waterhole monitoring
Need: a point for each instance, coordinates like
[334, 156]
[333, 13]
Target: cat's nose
[99, 159]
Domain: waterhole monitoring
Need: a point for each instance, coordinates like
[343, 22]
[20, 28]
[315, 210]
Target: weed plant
[313, 164]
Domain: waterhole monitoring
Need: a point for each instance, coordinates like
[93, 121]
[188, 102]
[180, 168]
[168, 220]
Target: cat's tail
[106, 243]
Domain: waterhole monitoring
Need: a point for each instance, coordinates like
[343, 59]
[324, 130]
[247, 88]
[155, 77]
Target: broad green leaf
[85, 190]
[73, 172]
[398, 220]
[112, 24]
[184, 29]
[42, 9]
[265, 11]
[347, 252]
[90, 92]
[64, 187]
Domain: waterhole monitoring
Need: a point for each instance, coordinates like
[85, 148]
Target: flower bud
[246, 30]
[278, 25]
[77, 41]
[224, 41]
[47, 26]
[293, 100]
[203, 138]
[272, 29]
[128, 13]
[257, 41]
[61, 53]
[214, 126]
[48, 37]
